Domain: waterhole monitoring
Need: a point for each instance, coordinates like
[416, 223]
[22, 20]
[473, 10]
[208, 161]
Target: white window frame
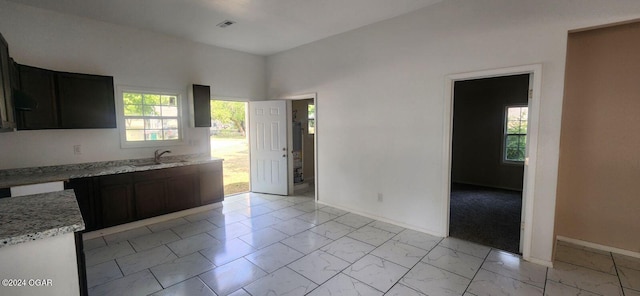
[505, 134]
[182, 115]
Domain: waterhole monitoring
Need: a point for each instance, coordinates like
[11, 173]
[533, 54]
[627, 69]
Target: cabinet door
[86, 101]
[211, 184]
[83, 188]
[182, 192]
[6, 106]
[116, 199]
[202, 105]
[38, 86]
[151, 198]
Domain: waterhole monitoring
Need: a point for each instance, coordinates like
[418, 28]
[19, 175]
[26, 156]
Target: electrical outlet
[379, 197]
[77, 149]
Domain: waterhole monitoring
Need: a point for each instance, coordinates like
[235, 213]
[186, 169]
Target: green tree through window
[515, 133]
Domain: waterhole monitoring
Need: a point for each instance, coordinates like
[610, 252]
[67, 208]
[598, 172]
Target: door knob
[284, 149]
[284, 155]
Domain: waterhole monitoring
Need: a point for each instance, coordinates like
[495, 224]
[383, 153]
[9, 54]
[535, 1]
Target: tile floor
[256, 244]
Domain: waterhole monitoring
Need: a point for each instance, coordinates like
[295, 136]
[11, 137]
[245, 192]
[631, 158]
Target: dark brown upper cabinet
[37, 86]
[201, 105]
[7, 120]
[58, 100]
[86, 101]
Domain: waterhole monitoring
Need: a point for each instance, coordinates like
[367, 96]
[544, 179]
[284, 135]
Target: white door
[268, 142]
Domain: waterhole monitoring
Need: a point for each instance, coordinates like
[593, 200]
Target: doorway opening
[303, 145]
[489, 154]
[229, 141]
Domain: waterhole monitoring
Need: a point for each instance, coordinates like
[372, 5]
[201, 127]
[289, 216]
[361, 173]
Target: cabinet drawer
[150, 175]
[118, 179]
[183, 170]
[211, 167]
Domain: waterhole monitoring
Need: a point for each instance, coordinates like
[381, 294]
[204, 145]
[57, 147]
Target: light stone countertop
[36, 175]
[38, 216]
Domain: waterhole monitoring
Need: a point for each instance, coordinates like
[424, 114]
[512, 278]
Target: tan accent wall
[598, 197]
[301, 109]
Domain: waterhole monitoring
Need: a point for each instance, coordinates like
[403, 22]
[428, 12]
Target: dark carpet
[486, 216]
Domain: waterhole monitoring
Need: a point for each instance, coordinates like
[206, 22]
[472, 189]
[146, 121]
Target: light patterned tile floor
[258, 244]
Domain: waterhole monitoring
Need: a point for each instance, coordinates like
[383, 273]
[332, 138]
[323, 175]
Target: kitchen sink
[150, 163]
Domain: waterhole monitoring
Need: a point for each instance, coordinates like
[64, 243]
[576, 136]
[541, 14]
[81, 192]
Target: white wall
[133, 57]
[393, 74]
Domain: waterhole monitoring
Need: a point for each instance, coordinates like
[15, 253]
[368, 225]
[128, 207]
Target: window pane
[516, 131]
[135, 135]
[134, 123]
[169, 100]
[151, 117]
[153, 123]
[152, 111]
[513, 154]
[513, 113]
[169, 124]
[170, 111]
[513, 127]
[171, 134]
[133, 110]
[151, 99]
[512, 141]
[132, 98]
[523, 126]
[153, 135]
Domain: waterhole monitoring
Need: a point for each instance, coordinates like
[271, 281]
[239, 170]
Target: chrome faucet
[157, 154]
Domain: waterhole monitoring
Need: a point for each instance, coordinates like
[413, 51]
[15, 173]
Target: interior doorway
[529, 178]
[303, 160]
[302, 145]
[490, 119]
[229, 141]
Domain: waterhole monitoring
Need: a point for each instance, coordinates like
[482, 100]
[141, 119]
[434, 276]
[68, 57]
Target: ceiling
[263, 27]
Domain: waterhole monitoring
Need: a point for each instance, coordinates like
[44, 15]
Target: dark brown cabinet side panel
[84, 191]
[86, 101]
[211, 184]
[151, 198]
[39, 86]
[116, 199]
[202, 105]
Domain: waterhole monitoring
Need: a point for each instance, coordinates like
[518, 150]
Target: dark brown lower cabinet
[167, 190]
[182, 190]
[151, 198]
[115, 195]
[117, 199]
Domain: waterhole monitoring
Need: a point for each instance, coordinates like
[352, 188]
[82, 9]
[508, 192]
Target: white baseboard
[383, 219]
[598, 246]
[148, 221]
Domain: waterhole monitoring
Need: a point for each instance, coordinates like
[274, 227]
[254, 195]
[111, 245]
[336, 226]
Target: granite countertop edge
[36, 175]
[38, 216]
[18, 239]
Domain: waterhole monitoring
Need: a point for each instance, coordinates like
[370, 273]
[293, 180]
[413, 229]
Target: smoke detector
[225, 24]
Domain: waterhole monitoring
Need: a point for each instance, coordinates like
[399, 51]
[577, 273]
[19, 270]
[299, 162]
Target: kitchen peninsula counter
[37, 244]
[38, 216]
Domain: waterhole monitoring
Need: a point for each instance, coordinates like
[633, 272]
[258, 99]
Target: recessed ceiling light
[225, 24]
